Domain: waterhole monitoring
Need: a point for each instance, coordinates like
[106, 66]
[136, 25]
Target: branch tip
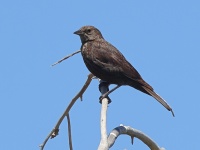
[66, 57]
[132, 139]
[81, 97]
[172, 113]
[41, 145]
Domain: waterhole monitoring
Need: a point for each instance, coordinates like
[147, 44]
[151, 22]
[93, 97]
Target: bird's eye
[88, 30]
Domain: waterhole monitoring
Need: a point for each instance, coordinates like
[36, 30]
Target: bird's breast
[87, 51]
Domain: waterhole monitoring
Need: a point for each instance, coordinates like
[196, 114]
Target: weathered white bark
[104, 141]
[133, 133]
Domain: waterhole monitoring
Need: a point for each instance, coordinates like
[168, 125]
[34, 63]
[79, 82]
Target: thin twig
[55, 130]
[66, 57]
[69, 132]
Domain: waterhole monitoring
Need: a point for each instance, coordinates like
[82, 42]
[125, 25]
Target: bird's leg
[108, 92]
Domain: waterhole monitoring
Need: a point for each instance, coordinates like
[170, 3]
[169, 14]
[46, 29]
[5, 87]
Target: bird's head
[88, 33]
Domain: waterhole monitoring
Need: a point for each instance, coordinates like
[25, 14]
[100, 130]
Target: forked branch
[55, 130]
[107, 142]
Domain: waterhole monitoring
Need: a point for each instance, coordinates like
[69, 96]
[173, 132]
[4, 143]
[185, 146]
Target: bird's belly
[103, 73]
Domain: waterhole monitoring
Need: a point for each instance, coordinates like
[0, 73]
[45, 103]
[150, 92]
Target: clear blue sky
[161, 40]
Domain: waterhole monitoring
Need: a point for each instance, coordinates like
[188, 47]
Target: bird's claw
[104, 96]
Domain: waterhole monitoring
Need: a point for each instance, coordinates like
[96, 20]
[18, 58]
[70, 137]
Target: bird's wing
[110, 58]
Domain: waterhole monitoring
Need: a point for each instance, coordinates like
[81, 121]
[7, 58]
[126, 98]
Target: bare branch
[133, 133]
[54, 132]
[66, 57]
[104, 142]
[69, 132]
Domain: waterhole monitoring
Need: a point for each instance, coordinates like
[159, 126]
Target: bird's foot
[104, 96]
[103, 88]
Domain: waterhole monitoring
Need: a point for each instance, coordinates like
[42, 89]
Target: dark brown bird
[105, 62]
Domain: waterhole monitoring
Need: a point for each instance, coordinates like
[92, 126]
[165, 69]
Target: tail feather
[159, 99]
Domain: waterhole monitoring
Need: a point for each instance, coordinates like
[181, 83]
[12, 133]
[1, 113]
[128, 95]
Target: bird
[107, 63]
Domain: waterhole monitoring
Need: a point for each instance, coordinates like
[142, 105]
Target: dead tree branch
[103, 87]
[55, 130]
[107, 142]
[132, 133]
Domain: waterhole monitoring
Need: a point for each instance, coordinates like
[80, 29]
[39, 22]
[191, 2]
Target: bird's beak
[78, 32]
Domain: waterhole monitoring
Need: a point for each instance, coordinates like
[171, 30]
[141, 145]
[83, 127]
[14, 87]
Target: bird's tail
[158, 98]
